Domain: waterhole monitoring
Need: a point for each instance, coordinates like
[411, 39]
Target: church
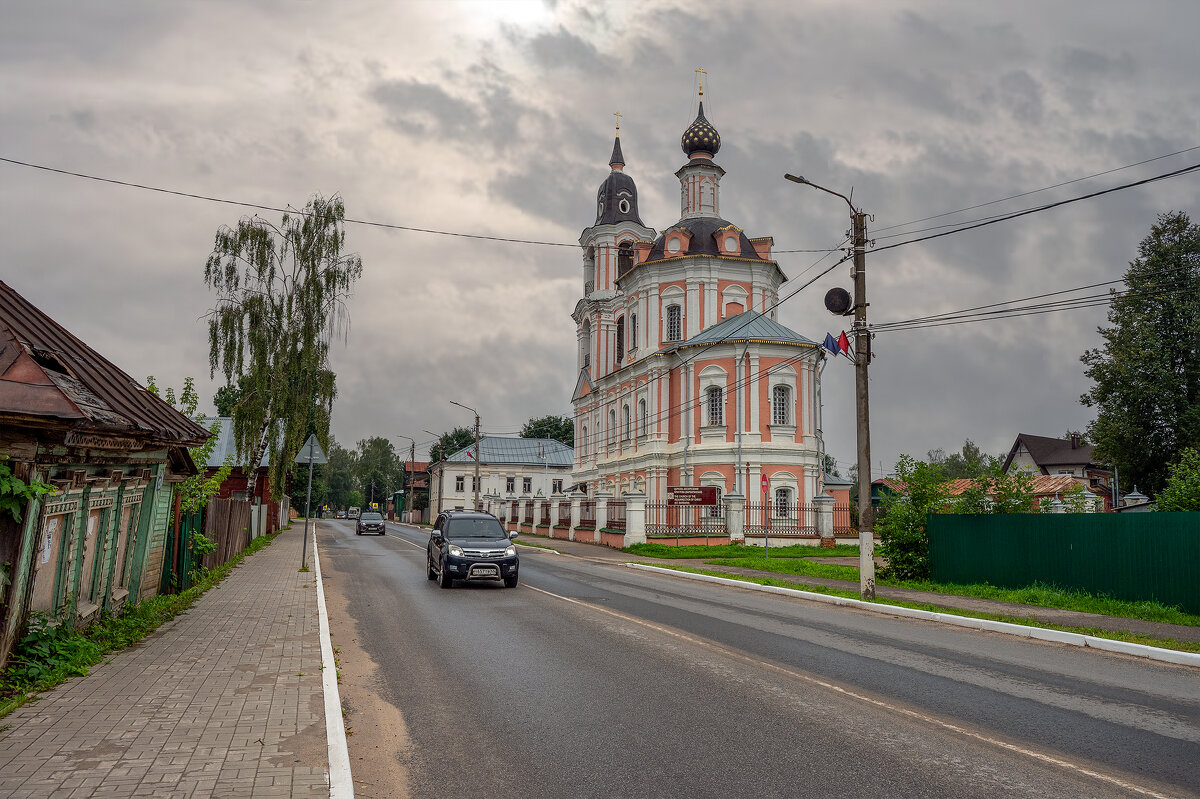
[685, 375]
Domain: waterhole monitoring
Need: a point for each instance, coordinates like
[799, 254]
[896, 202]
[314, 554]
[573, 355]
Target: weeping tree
[281, 300]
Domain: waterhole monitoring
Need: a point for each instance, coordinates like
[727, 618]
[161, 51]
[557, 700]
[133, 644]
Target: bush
[1182, 491]
[901, 523]
[50, 652]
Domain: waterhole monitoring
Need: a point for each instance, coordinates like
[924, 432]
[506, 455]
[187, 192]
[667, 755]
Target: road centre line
[914, 714]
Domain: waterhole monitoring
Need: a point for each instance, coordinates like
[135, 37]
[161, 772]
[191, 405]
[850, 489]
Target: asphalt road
[592, 679]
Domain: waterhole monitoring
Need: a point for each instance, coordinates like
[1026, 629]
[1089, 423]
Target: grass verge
[739, 551]
[1133, 638]
[50, 654]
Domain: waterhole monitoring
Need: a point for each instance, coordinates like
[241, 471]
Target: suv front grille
[483, 553]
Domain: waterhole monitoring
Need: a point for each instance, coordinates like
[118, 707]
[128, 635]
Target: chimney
[1074, 441]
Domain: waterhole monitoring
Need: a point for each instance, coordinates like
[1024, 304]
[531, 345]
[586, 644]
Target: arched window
[583, 442]
[624, 259]
[612, 425]
[716, 511]
[642, 418]
[633, 339]
[781, 405]
[620, 339]
[585, 344]
[716, 405]
[625, 424]
[783, 501]
[674, 323]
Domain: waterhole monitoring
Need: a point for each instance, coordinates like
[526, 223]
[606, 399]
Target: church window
[781, 404]
[624, 259]
[623, 205]
[673, 244]
[731, 243]
[783, 501]
[626, 422]
[633, 331]
[620, 339]
[716, 405]
[612, 425]
[715, 511]
[641, 417]
[583, 442]
[674, 323]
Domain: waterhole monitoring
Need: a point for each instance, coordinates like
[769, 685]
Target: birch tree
[281, 301]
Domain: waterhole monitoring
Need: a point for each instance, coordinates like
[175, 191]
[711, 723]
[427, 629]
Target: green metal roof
[746, 326]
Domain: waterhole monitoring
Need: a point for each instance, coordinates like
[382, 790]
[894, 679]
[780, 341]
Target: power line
[1036, 191]
[1046, 207]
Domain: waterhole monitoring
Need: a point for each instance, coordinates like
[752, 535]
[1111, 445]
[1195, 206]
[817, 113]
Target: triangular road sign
[311, 452]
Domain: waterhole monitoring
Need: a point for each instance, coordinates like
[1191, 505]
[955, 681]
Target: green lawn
[794, 560]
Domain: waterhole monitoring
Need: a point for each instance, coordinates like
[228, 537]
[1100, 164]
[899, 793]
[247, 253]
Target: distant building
[113, 450]
[507, 467]
[1056, 456]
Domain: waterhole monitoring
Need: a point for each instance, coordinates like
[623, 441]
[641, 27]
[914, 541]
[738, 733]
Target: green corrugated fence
[1131, 556]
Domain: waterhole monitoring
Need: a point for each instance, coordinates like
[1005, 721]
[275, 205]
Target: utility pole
[862, 359]
[404, 488]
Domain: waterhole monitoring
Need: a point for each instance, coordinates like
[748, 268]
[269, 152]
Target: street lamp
[862, 358]
[472, 410]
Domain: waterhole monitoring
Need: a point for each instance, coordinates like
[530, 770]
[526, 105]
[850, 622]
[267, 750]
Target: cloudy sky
[495, 118]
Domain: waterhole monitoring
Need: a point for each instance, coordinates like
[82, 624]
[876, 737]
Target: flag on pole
[471, 454]
[831, 344]
[844, 344]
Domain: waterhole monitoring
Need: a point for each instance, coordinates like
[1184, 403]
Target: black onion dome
[616, 200]
[704, 241]
[700, 136]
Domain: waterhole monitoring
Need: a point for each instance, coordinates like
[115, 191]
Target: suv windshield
[475, 528]
[372, 517]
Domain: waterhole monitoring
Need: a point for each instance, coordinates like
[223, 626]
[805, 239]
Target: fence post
[508, 512]
[735, 518]
[556, 501]
[635, 519]
[576, 498]
[824, 506]
[539, 502]
[602, 498]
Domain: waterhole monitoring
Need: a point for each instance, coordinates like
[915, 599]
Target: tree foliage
[377, 468]
[559, 428]
[1182, 491]
[1146, 374]
[281, 293]
[226, 400]
[451, 442]
[901, 519]
[197, 490]
[970, 461]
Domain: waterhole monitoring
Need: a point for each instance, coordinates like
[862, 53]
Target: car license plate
[488, 570]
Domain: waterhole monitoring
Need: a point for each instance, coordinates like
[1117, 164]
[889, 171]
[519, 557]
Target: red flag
[471, 454]
[844, 344]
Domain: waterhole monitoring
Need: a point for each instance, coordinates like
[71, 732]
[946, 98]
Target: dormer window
[731, 244]
[673, 244]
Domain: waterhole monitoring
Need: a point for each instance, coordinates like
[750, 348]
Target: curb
[341, 783]
[1007, 628]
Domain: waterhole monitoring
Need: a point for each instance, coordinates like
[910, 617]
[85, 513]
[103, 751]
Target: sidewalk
[1066, 618]
[225, 700]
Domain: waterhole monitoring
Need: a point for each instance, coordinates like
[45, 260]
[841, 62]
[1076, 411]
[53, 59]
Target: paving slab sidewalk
[1068, 618]
[225, 700]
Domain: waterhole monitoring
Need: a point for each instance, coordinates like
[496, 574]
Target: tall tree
[451, 442]
[377, 468]
[226, 400]
[281, 299]
[1146, 374]
[559, 428]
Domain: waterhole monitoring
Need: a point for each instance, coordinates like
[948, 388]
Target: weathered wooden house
[71, 418]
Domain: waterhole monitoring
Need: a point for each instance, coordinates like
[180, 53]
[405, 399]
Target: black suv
[465, 545]
[369, 523]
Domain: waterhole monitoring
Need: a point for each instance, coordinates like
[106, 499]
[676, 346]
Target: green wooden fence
[1131, 556]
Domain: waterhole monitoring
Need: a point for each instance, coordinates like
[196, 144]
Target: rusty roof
[47, 372]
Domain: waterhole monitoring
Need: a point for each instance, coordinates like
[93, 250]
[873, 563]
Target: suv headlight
[511, 552]
[455, 551]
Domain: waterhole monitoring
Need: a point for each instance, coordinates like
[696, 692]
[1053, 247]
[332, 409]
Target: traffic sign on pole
[765, 484]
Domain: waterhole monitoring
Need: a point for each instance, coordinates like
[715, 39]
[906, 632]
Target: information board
[691, 495]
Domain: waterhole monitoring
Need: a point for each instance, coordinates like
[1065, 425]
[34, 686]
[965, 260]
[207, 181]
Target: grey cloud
[1022, 96]
[418, 108]
[1089, 64]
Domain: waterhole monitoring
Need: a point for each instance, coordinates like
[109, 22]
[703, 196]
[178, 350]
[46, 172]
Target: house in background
[71, 418]
[240, 486]
[1062, 456]
[1045, 488]
[507, 467]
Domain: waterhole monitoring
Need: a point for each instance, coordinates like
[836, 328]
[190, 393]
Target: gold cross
[701, 72]
[617, 114]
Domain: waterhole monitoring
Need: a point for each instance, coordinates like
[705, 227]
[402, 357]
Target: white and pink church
[686, 378]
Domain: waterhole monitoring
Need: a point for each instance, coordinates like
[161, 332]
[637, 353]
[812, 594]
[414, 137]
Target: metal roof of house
[746, 326]
[47, 372]
[518, 452]
[225, 445]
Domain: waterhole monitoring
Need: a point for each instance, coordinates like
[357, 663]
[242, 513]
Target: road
[593, 679]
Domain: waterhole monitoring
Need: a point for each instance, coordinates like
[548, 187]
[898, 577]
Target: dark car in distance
[466, 545]
[369, 522]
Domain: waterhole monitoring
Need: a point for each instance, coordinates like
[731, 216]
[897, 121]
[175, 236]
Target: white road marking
[341, 782]
[945, 725]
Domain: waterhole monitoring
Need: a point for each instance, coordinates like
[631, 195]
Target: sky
[496, 118]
